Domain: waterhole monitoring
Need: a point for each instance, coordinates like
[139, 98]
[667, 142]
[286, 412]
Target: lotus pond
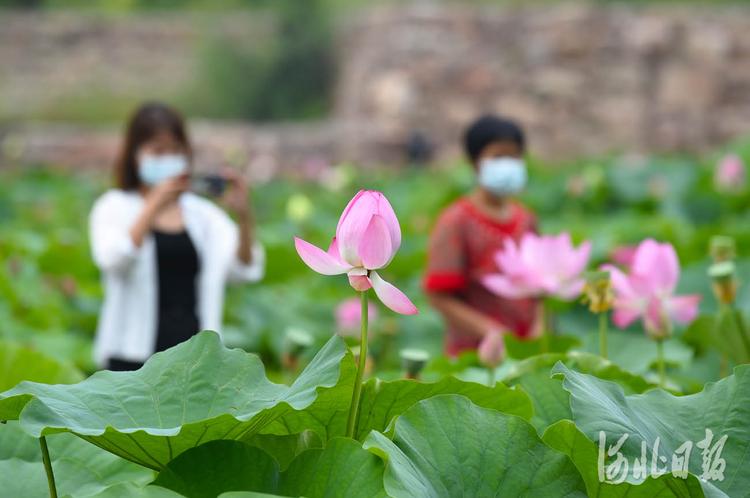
[283, 406]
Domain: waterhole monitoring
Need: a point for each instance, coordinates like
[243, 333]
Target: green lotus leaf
[383, 401]
[723, 408]
[564, 436]
[342, 470]
[284, 448]
[551, 401]
[446, 446]
[130, 490]
[196, 392]
[80, 468]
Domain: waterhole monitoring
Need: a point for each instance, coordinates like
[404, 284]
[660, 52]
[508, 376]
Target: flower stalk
[603, 323]
[598, 294]
[724, 285]
[351, 425]
[660, 363]
[48, 467]
[544, 338]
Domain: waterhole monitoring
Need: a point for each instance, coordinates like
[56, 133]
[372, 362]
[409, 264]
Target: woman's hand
[165, 193]
[236, 196]
[157, 198]
[236, 201]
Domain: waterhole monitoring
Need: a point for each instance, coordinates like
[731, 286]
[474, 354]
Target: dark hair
[488, 129]
[147, 121]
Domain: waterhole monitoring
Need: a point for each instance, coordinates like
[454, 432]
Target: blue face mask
[503, 175]
[154, 169]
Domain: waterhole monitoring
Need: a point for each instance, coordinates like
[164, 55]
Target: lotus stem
[740, 322]
[724, 359]
[603, 323]
[351, 425]
[48, 467]
[546, 324]
[660, 363]
[491, 376]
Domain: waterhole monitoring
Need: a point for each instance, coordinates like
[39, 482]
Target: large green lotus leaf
[564, 436]
[342, 470]
[19, 363]
[327, 417]
[218, 466]
[550, 400]
[383, 401]
[446, 446]
[284, 448]
[584, 362]
[80, 468]
[130, 490]
[722, 407]
[195, 392]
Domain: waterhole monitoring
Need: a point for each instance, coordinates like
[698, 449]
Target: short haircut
[488, 129]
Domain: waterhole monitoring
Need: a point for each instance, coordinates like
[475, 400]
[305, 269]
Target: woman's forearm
[463, 316]
[247, 229]
[142, 224]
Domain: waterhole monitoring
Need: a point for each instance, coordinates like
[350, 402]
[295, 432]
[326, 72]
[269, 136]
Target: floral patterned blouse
[462, 249]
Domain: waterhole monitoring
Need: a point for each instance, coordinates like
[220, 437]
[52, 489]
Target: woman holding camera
[165, 253]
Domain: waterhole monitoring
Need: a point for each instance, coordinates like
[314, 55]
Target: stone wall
[582, 79]
[52, 59]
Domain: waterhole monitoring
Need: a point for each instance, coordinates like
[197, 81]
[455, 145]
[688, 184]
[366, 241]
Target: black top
[177, 266]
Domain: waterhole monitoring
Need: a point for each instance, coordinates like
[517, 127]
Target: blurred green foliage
[50, 293]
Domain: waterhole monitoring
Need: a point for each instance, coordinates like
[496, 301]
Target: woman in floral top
[469, 233]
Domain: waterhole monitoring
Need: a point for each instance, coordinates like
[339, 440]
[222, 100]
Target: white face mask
[154, 169]
[503, 175]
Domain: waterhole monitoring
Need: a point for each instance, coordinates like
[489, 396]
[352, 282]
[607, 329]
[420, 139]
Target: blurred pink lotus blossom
[624, 255]
[730, 173]
[647, 292]
[541, 265]
[367, 238]
[492, 350]
[349, 316]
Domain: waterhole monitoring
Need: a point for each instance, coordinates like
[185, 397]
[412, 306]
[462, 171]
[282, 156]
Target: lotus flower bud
[492, 349]
[597, 292]
[413, 361]
[730, 175]
[724, 283]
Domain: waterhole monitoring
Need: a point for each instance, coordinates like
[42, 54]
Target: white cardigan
[127, 324]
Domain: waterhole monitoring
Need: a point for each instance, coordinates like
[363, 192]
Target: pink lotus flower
[624, 255]
[541, 265]
[349, 316]
[492, 350]
[730, 173]
[367, 237]
[648, 291]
